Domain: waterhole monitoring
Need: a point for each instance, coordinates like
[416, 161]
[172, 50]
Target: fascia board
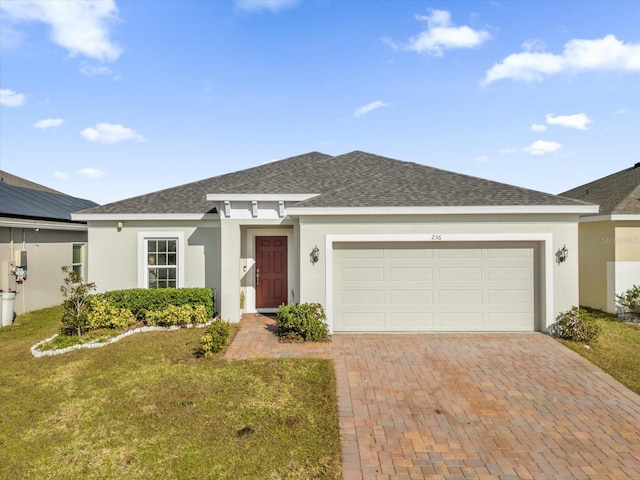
[143, 216]
[611, 218]
[470, 210]
[43, 225]
[264, 197]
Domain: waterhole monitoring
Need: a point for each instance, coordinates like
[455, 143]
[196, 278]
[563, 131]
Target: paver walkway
[469, 406]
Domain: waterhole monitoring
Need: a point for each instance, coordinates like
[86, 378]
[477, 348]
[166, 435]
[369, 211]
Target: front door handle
[257, 276]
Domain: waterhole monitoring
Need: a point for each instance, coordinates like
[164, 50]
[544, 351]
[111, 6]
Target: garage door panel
[460, 321]
[362, 297]
[410, 297]
[412, 254]
[356, 322]
[411, 322]
[509, 297]
[434, 287]
[453, 274]
[410, 274]
[459, 253]
[356, 274]
[513, 321]
[509, 273]
[455, 297]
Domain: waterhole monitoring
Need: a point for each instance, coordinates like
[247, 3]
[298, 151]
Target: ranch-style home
[609, 239]
[384, 245]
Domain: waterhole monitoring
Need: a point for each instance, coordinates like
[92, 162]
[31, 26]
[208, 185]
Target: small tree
[629, 301]
[76, 302]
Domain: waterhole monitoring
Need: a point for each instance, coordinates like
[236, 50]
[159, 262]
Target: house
[37, 237]
[609, 239]
[382, 244]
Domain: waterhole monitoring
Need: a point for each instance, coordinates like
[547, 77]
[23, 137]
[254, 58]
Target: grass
[616, 351]
[148, 407]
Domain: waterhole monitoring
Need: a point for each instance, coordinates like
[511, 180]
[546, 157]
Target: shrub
[176, 315]
[306, 320]
[629, 301]
[103, 314]
[215, 337]
[75, 306]
[576, 325]
[141, 300]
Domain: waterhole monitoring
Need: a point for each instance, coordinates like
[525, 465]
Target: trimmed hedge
[141, 300]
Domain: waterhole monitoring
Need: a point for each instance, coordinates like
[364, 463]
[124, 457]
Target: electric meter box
[20, 259]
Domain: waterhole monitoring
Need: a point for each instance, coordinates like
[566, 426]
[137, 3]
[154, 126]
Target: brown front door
[271, 272]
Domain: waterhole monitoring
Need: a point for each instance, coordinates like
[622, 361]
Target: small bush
[629, 302]
[103, 314]
[176, 315]
[215, 337]
[576, 325]
[141, 300]
[306, 320]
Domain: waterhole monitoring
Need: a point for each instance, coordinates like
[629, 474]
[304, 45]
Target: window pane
[78, 269]
[162, 260]
[77, 254]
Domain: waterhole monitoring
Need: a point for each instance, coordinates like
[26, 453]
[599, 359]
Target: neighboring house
[37, 220]
[383, 245]
[610, 238]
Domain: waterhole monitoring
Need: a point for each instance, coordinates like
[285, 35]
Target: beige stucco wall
[47, 251]
[563, 230]
[627, 241]
[609, 261]
[597, 248]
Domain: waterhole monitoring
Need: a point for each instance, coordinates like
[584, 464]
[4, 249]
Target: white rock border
[96, 343]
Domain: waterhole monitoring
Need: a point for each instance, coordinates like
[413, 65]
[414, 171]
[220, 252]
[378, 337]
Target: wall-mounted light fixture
[562, 254]
[314, 256]
[120, 225]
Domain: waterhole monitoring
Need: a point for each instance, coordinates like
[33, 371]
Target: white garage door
[399, 287]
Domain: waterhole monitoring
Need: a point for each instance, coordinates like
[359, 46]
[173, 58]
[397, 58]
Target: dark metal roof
[618, 193]
[356, 179]
[21, 202]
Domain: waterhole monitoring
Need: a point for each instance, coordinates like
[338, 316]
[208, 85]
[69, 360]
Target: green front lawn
[147, 407]
[617, 350]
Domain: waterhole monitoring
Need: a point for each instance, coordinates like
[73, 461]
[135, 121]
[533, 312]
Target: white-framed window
[77, 263]
[161, 259]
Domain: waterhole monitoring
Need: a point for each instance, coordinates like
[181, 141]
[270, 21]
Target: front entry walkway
[469, 406]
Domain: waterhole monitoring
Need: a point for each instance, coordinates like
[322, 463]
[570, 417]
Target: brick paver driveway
[505, 406]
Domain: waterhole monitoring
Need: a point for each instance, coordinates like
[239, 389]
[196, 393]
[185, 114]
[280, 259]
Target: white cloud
[81, 27]
[533, 45]
[110, 133]
[442, 35]
[508, 151]
[541, 147]
[89, 173]
[482, 159]
[604, 54]
[9, 98]
[60, 176]
[257, 5]
[48, 123]
[368, 108]
[536, 127]
[578, 121]
[94, 70]
[621, 110]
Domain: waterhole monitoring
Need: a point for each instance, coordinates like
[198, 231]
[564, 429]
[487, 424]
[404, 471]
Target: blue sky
[109, 99]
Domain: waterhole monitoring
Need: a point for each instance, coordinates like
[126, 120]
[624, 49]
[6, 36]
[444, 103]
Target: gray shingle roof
[618, 193]
[356, 179]
[41, 203]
